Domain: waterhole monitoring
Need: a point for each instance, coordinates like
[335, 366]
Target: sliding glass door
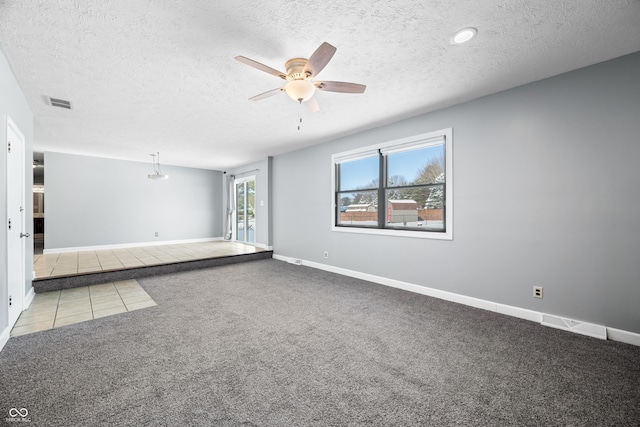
[245, 223]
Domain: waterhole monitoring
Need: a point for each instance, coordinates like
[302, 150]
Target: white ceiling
[160, 75]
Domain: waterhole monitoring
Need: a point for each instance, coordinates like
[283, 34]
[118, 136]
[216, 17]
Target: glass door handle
[25, 235]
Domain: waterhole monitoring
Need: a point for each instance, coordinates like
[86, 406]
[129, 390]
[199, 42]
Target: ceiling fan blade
[312, 105]
[261, 67]
[266, 94]
[343, 87]
[319, 59]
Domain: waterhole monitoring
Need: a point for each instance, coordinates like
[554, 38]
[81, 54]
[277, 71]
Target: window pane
[418, 207]
[359, 208]
[420, 166]
[359, 174]
[240, 211]
[251, 217]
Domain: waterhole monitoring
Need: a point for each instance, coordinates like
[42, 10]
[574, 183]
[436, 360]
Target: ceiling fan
[300, 74]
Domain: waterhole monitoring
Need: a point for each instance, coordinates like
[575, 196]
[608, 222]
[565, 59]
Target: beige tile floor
[72, 263]
[60, 308]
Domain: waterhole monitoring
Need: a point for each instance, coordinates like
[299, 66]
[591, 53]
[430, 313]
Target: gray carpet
[270, 343]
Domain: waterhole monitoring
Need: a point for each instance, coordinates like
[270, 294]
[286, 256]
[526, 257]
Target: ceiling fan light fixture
[300, 90]
[464, 35]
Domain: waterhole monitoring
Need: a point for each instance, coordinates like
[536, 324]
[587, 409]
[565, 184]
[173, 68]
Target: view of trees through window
[412, 195]
[245, 211]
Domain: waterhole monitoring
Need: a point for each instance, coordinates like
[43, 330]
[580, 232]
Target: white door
[16, 232]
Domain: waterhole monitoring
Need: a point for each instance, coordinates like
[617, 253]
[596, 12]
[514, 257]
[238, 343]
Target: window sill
[395, 233]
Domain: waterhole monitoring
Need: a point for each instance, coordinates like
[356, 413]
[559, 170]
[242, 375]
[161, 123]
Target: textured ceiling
[160, 75]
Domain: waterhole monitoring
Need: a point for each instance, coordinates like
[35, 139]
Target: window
[401, 187]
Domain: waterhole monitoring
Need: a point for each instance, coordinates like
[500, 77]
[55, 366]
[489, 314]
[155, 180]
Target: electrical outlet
[326, 254]
[156, 234]
[537, 292]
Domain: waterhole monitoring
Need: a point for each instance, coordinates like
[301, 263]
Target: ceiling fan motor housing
[295, 69]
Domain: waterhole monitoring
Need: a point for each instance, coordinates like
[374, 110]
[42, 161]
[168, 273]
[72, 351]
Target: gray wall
[263, 194]
[14, 104]
[546, 192]
[93, 201]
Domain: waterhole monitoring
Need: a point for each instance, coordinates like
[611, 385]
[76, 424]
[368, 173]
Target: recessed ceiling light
[464, 35]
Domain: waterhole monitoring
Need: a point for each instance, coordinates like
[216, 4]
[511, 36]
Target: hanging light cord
[157, 166]
[300, 113]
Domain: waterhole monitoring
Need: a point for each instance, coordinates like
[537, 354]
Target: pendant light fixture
[157, 172]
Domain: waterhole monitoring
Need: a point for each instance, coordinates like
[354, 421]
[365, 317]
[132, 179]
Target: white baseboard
[287, 259]
[128, 245]
[4, 337]
[575, 326]
[521, 313]
[623, 336]
[436, 293]
[28, 298]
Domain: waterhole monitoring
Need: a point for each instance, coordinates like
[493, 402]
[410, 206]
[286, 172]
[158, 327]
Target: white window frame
[394, 146]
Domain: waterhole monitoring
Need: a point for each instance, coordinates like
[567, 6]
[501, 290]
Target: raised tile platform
[54, 283]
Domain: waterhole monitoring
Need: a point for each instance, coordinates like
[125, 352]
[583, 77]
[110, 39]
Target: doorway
[245, 216]
[38, 203]
[16, 215]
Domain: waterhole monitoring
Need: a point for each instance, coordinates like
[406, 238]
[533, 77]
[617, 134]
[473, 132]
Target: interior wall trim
[623, 336]
[4, 337]
[128, 245]
[28, 298]
[521, 313]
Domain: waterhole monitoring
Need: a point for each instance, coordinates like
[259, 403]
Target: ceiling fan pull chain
[300, 114]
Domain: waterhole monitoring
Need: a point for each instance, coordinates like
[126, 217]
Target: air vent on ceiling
[55, 102]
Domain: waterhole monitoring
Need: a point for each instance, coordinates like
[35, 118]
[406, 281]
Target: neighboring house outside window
[402, 187]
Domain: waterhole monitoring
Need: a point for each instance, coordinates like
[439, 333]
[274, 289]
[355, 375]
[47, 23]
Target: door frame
[15, 262]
